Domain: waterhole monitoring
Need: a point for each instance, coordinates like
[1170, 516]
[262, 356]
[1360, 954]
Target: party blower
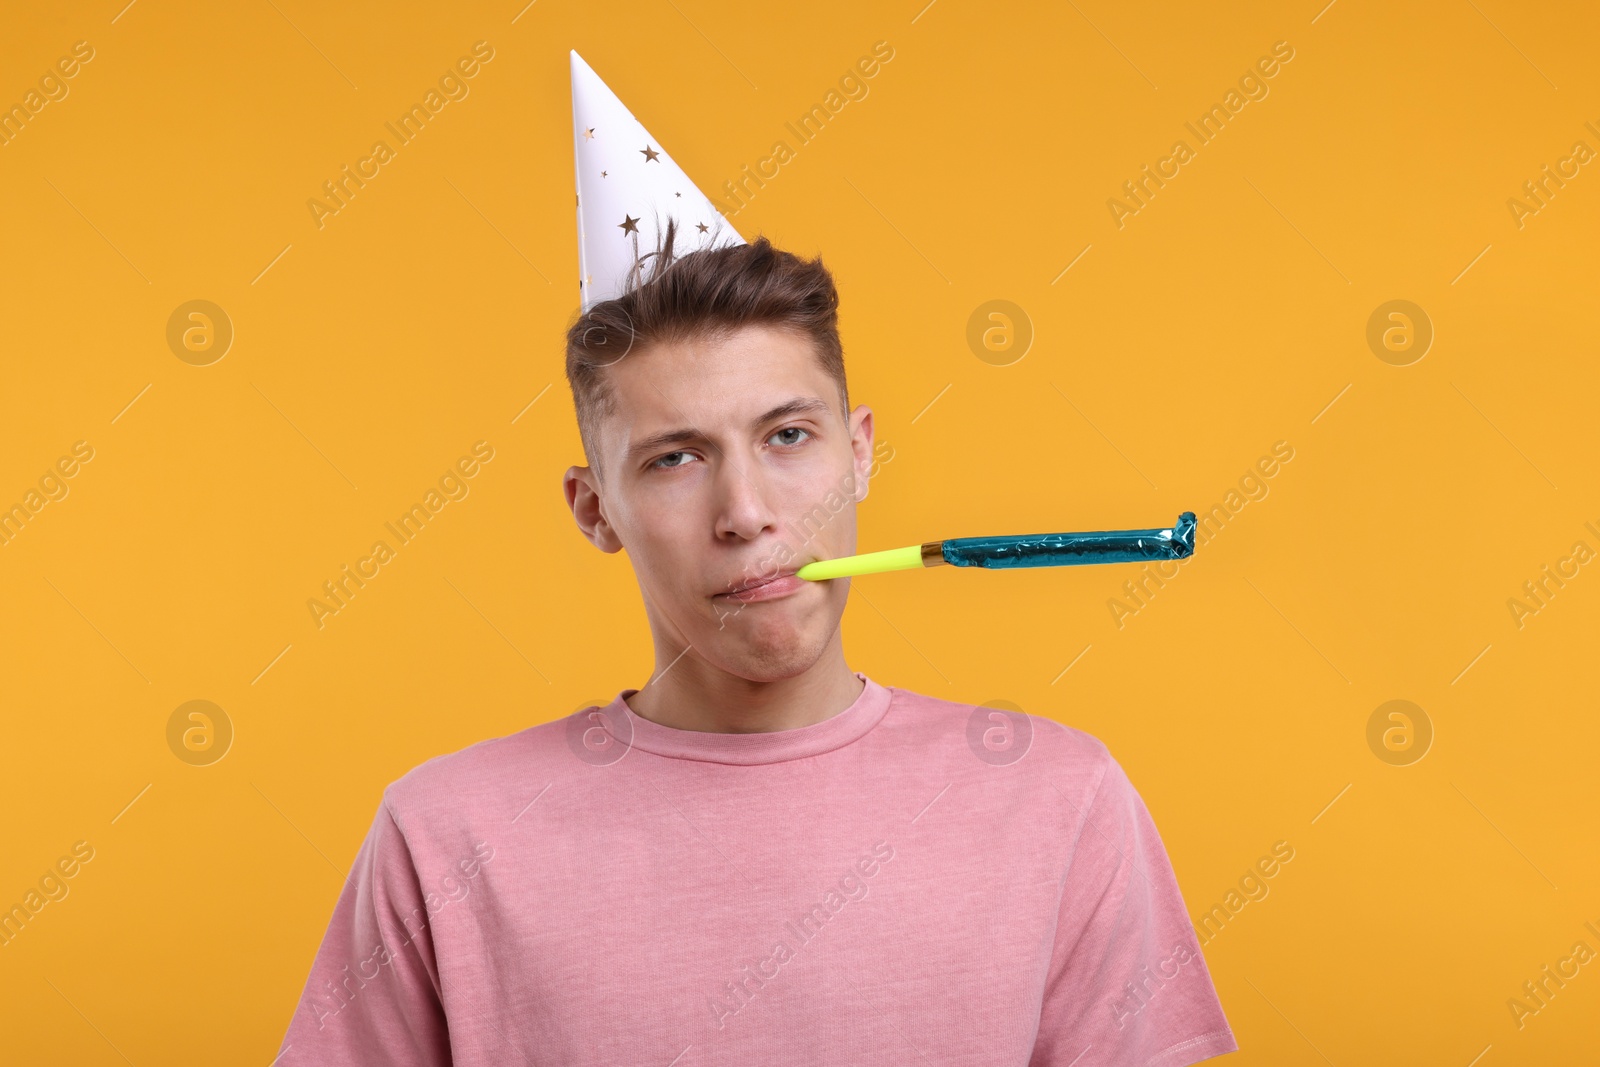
[1019, 550]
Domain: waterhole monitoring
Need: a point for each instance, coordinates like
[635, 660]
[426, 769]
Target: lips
[751, 592]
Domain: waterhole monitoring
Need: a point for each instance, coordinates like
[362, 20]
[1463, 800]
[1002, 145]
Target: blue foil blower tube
[1065, 549]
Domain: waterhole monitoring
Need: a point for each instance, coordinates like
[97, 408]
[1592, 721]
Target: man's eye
[664, 465]
[791, 429]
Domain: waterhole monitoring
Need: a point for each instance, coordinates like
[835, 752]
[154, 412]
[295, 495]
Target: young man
[759, 856]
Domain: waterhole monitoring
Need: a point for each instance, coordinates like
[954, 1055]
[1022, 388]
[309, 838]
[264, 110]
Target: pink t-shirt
[910, 881]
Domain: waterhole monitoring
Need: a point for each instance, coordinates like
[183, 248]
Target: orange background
[1228, 314]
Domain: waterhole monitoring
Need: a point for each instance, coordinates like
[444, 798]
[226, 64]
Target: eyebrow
[798, 406]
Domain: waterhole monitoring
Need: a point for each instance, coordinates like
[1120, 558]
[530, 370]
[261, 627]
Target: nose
[743, 505]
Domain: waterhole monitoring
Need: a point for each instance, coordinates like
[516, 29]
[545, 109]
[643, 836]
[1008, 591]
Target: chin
[768, 656]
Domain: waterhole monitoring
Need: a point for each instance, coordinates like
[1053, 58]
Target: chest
[694, 930]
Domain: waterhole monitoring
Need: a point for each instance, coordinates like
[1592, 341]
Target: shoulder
[486, 779]
[1001, 737]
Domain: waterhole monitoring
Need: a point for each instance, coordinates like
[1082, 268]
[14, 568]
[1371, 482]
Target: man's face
[726, 462]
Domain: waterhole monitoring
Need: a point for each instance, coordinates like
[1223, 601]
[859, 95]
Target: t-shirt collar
[753, 748]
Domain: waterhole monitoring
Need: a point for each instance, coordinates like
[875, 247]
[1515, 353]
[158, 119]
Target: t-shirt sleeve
[373, 997]
[1127, 984]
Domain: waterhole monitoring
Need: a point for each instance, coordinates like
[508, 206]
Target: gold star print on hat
[628, 187]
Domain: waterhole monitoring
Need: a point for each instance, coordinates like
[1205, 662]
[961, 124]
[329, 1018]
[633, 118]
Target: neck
[695, 695]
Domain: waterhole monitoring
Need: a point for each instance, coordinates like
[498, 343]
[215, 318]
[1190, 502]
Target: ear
[582, 490]
[861, 447]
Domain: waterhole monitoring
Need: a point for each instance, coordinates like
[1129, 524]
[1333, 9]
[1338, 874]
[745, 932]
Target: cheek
[675, 573]
[819, 521]
[665, 572]
[840, 536]
[656, 527]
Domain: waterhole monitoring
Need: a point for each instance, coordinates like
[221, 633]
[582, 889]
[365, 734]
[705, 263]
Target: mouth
[759, 589]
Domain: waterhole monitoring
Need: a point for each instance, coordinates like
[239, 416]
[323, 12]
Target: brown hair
[710, 292]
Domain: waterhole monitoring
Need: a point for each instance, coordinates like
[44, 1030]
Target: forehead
[716, 383]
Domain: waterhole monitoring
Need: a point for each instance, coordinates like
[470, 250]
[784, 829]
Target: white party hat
[628, 187]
